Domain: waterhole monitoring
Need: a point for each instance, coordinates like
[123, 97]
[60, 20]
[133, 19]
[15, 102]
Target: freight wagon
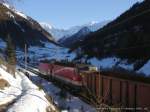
[112, 90]
[105, 87]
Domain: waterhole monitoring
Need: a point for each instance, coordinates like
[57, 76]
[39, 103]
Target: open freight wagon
[109, 89]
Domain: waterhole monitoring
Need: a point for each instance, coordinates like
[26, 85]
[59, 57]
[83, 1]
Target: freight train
[65, 72]
[110, 88]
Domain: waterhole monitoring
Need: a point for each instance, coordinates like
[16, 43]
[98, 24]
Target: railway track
[82, 94]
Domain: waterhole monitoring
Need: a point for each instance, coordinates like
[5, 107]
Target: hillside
[79, 36]
[21, 28]
[24, 30]
[127, 36]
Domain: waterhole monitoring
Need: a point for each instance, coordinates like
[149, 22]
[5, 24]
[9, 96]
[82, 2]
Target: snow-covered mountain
[69, 42]
[61, 33]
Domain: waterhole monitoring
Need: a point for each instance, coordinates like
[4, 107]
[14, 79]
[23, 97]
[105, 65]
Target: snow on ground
[10, 93]
[2, 44]
[15, 11]
[61, 53]
[26, 96]
[69, 103]
[21, 14]
[145, 69]
[124, 64]
[111, 62]
[10, 14]
[104, 63]
[49, 51]
[32, 100]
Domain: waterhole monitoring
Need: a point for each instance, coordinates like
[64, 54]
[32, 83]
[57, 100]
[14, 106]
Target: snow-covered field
[68, 103]
[111, 62]
[50, 51]
[114, 62]
[26, 96]
[145, 69]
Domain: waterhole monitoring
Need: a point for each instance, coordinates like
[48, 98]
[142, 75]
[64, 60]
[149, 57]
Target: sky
[67, 13]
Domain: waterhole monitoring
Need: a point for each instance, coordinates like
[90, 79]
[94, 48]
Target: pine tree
[10, 56]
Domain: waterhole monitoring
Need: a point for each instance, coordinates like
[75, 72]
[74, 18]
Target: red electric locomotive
[66, 73]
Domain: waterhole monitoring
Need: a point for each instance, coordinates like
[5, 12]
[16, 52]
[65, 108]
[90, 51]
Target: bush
[3, 83]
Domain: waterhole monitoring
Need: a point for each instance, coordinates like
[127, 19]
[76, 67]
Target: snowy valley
[92, 67]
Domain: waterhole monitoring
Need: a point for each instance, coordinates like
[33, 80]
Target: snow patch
[65, 33]
[15, 11]
[10, 93]
[145, 69]
[49, 51]
[110, 62]
[104, 63]
[32, 99]
[10, 14]
[21, 14]
[2, 44]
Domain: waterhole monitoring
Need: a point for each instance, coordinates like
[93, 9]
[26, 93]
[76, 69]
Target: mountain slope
[61, 33]
[127, 36]
[21, 28]
[24, 30]
[79, 36]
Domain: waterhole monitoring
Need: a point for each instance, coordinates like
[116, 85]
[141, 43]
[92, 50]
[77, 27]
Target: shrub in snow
[3, 83]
